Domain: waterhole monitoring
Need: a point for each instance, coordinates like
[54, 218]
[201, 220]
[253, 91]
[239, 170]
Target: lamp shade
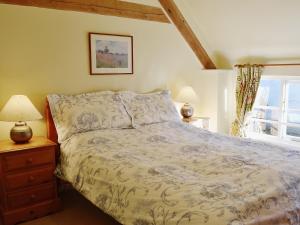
[19, 108]
[187, 95]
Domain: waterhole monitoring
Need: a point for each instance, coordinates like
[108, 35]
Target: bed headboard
[51, 130]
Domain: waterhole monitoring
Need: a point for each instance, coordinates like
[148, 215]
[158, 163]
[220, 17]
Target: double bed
[171, 173]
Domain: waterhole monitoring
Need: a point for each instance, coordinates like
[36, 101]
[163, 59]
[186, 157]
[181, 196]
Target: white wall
[226, 100]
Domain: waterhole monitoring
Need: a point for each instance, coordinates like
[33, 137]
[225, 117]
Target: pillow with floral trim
[86, 112]
[149, 108]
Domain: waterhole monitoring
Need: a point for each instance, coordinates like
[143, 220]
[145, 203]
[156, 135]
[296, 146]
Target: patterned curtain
[247, 85]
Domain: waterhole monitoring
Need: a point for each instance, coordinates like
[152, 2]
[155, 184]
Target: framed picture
[110, 54]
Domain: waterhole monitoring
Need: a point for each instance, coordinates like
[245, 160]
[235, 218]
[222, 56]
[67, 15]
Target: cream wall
[46, 51]
[235, 31]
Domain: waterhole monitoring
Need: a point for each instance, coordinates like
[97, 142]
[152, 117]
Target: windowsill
[274, 140]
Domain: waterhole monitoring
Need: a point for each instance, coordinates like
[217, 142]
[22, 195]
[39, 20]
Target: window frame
[287, 110]
[283, 111]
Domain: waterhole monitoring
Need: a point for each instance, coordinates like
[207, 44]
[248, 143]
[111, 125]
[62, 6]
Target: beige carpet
[76, 211]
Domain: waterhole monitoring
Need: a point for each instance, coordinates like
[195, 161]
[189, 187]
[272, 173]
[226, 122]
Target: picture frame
[110, 54]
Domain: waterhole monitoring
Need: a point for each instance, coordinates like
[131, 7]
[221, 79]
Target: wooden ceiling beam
[187, 32]
[103, 7]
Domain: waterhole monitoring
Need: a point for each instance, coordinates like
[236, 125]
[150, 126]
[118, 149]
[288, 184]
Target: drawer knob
[33, 197]
[31, 212]
[31, 178]
[29, 161]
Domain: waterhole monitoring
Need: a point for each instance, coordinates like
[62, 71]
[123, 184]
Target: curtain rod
[266, 65]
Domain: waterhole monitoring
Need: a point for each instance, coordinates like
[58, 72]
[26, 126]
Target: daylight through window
[276, 112]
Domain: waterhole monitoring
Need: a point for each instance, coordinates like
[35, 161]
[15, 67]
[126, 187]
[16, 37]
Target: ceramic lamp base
[187, 110]
[20, 133]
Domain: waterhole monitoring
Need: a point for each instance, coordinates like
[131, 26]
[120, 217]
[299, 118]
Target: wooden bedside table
[28, 186]
[200, 122]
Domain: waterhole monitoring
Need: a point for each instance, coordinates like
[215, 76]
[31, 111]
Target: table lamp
[19, 109]
[187, 96]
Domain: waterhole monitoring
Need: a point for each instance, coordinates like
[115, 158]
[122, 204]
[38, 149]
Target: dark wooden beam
[187, 32]
[103, 7]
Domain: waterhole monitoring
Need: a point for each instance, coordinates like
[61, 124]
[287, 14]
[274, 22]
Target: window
[276, 111]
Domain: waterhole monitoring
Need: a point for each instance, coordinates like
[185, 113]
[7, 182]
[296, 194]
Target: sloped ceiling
[241, 31]
[235, 31]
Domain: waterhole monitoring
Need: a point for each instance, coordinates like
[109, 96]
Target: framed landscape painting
[110, 54]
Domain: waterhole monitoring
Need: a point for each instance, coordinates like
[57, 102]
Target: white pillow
[85, 112]
[149, 108]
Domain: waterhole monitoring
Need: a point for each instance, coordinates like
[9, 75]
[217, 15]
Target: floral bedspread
[175, 174]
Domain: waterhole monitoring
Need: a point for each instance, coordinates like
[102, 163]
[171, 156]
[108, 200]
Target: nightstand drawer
[30, 197]
[31, 212]
[42, 156]
[35, 177]
[28, 187]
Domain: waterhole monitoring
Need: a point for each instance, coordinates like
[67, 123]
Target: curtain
[248, 79]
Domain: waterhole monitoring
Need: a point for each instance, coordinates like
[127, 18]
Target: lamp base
[187, 110]
[20, 133]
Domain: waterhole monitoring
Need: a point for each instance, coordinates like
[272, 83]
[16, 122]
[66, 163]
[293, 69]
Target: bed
[171, 173]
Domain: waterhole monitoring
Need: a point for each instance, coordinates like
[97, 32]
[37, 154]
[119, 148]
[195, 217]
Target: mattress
[175, 174]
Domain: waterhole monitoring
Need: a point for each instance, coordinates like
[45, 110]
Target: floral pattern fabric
[246, 89]
[175, 174]
[149, 108]
[85, 112]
